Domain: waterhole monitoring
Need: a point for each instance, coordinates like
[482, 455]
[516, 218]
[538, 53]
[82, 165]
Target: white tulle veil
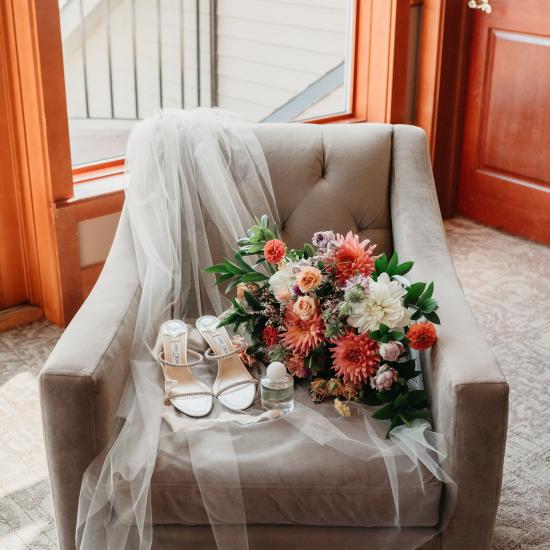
[198, 180]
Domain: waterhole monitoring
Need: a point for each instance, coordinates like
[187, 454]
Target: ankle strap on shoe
[209, 355]
[197, 358]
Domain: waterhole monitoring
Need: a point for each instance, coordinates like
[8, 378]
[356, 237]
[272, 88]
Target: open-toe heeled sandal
[187, 394]
[234, 386]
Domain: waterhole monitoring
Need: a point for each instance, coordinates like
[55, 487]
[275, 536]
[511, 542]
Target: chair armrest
[467, 391]
[83, 379]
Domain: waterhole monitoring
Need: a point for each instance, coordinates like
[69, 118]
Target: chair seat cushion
[287, 478]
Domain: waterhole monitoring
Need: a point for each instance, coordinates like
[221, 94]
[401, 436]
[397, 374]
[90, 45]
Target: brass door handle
[482, 5]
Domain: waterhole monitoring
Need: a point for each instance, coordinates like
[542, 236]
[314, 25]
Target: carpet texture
[507, 285]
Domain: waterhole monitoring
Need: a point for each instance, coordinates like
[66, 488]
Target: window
[269, 60]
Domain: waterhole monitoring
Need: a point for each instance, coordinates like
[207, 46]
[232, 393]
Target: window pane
[269, 60]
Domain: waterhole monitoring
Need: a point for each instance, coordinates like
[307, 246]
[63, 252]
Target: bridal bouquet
[340, 317]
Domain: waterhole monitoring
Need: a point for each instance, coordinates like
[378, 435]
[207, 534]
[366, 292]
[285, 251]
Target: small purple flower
[321, 239]
[304, 373]
[357, 280]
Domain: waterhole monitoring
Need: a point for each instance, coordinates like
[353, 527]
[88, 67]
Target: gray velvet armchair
[375, 180]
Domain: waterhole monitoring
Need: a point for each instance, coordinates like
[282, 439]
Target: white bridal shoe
[234, 386]
[182, 389]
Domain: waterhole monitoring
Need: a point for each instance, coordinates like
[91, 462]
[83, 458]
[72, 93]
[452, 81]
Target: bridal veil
[198, 180]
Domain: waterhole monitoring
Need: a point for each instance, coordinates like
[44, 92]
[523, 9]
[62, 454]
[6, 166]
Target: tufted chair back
[330, 177]
[327, 177]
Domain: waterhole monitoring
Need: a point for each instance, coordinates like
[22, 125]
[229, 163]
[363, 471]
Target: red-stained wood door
[505, 172]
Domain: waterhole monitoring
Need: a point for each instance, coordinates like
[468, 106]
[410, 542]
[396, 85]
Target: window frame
[378, 55]
[50, 185]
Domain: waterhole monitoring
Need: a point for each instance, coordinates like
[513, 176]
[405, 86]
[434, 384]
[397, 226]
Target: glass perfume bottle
[277, 388]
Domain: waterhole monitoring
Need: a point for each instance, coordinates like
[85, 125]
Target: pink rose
[384, 379]
[391, 351]
[304, 307]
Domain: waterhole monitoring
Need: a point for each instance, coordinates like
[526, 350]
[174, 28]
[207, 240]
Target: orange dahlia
[301, 336]
[422, 335]
[355, 357]
[353, 256]
[274, 251]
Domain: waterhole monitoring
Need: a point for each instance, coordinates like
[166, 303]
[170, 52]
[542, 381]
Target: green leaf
[403, 268]
[396, 335]
[252, 248]
[218, 268]
[253, 277]
[384, 328]
[309, 251]
[392, 266]
[396, 421]
[427, 293]
[420, 413]
[264, 221]
[252, 302]
[416, 315]
[406, 369]
[225, 277]
[231, 318]
[237, 306]
[232, 285]
[375, 335]
[433, 317]
[428, 305]
[415, 290]
[401, 401]
[417, 398]
[369, 398]
[381, 263]
[386, 396]
[403, 417]
[385, 412]
[232, 268]
[241, 262]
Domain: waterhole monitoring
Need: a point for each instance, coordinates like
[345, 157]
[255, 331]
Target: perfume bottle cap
[276, 371]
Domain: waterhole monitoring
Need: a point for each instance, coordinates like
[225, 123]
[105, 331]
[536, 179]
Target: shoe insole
[174, 343]
[230, 369]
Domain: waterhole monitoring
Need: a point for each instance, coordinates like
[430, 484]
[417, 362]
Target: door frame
[441, 85]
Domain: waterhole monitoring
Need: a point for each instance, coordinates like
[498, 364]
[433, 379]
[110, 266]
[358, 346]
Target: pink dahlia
[355, 357]
[301, 336]
[353, 257]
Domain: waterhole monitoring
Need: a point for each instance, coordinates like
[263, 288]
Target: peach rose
[308, 279]
[304, 307]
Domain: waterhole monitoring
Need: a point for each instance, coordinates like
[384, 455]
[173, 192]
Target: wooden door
[505, 172]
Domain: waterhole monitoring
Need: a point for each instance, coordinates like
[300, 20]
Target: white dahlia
[383, 304]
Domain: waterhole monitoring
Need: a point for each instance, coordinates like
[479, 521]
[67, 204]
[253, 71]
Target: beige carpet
[507, 283]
